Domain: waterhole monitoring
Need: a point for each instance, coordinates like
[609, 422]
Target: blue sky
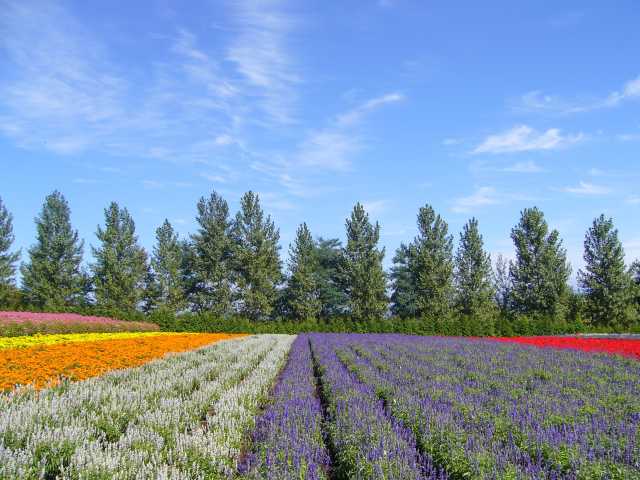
[478, 109]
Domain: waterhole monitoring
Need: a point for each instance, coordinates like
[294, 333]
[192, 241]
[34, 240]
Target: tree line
[230, 270]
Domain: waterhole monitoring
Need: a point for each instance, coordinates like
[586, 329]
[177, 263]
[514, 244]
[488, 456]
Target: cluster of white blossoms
[182, 417]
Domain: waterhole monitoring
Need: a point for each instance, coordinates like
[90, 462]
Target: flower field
[183, 416]
[333, 406]
[28, 323]
[400, 407]
[44, 364]
[620, 346]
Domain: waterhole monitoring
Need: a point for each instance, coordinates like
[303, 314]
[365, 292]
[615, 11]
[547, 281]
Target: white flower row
[183, 417]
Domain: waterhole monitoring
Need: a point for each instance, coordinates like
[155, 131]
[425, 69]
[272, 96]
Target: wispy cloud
[449, 142]
[633, 199]
[69, 93]
[585, 188]
[262, 57]
[628, 137]
[328, 149]
[356, 114]
[524, 167]
[523, 138]
[538, 101]
[322, 152]
[375, 207]
[483, 196]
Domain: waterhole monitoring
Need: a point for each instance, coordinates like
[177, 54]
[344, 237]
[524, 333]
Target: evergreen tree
[8, 259]
[120, 272]
[52, 278]
[210, 282]
[303, 299]
[432, 267]
[473, 274]
[605, 281]
[403, 297]
[540, 272]
[256, 259]
[634, 272]
[502, 284]
[333, 299]
[166, 263]
[362, 267]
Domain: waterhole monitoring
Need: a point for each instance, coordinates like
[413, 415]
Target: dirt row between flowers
[46, 365]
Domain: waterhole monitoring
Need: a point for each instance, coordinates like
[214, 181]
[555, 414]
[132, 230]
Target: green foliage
[502, 285]
[166, 263]
[403, 299]
[473, 276]
[540, 272]
[8, 259]
[607, 285]
[52, 277]
[333, 298]
[206, 260]
[256, 260]
[120, 270]
[363, 275]
[432, 266]
[303, 299]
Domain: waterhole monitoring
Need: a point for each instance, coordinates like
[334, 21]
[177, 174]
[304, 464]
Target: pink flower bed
[27, 323]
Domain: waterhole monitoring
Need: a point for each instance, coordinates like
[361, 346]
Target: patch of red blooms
[620, 346]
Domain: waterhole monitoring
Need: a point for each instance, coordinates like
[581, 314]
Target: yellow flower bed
[38, 339]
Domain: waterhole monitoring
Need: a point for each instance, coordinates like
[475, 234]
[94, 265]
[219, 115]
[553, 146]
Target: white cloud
[84, 181]
[584, 188]
[356, 114]
[152, 184]
[524, 167]
[483, 196]
[261, 56]
[448, 142]
[375, 207]
[537, 101]
[327, 149]
[223, 140]
[69, 93]
[275, 201]
[631, 250]
[628, 137]
[633, 199]
[523, 138]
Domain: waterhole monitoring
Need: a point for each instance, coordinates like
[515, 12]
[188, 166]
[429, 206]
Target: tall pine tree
[8, 258]
[540, 272]
[433, 265]
[52, 278]
[120, 270]
[502, 284]
[605, 280]
[403, 296]
[473, 274]
[210, 281]
[333, 298]
[256, 259]
[364, 277]
[303, 296]
[166, 264]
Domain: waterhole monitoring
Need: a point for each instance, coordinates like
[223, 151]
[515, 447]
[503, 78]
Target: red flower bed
[626, 347]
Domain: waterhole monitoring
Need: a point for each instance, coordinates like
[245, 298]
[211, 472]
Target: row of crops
[325, 406]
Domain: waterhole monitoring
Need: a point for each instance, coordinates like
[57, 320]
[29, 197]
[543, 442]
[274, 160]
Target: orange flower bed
[44, 365]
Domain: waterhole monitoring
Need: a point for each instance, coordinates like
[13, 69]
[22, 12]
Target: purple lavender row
[367, 442]
[487, 411]
[287, 440]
